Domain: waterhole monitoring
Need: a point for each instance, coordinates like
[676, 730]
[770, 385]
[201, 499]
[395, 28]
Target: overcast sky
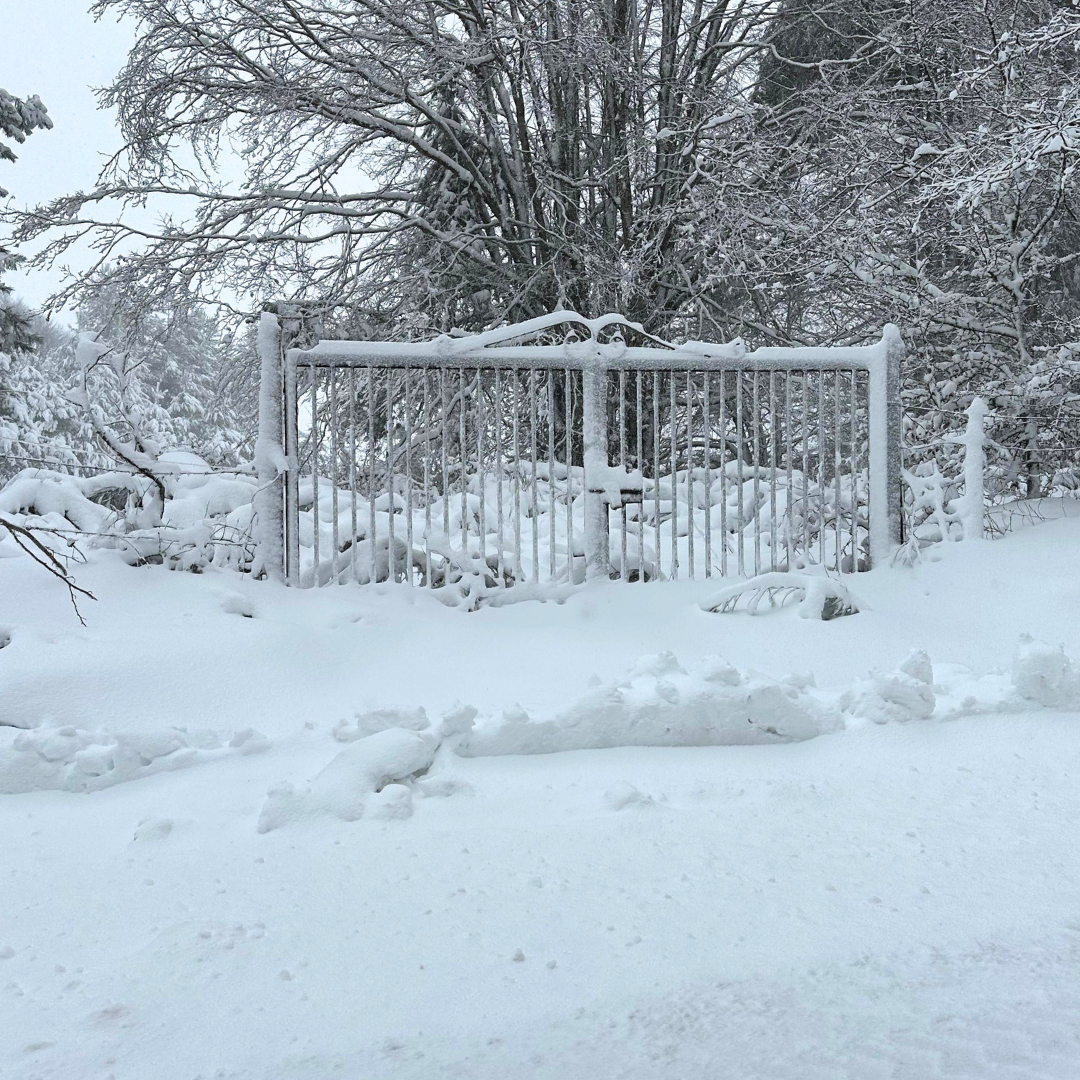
[54, 49]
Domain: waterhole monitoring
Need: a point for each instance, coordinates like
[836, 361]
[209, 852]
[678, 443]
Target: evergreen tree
[18, 119]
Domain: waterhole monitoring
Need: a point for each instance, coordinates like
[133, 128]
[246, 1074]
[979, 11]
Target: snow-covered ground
[893, 900]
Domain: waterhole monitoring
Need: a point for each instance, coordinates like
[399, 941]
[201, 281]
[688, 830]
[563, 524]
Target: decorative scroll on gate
[558, 449]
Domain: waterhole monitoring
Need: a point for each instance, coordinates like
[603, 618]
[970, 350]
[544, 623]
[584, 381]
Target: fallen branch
[46, 557]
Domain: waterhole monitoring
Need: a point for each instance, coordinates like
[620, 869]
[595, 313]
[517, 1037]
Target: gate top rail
[490, 350]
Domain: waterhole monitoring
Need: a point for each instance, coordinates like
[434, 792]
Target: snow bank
[73, 759]
[361, 770]
[710, 703]
[662, 704]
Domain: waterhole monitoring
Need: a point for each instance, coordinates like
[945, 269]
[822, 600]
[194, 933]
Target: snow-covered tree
[188, 382]
[18, 118]
[920, 166]
[429, 164]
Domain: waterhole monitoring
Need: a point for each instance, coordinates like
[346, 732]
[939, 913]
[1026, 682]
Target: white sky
[54, 49]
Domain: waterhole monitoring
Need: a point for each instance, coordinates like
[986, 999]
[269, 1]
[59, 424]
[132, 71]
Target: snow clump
[359, 771]
[901, 695]
[1044, 674]
[235, 603]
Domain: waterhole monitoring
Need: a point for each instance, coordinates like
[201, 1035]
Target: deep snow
[893, 899]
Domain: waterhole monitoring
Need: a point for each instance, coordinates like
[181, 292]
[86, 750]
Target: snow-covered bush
[187, 381]
[111, 482]
[819, 597]
[205, 520]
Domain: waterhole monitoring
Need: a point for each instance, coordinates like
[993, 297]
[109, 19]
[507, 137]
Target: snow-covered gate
[557, 450]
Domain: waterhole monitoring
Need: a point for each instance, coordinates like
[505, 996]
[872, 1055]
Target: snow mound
[661, 704]
[74, 759]
[150, 830]
[361, 770]
[901, 695]
[1044, 674]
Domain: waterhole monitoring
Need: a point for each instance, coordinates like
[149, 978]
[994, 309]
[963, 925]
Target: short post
[594, 438]
[971, 509]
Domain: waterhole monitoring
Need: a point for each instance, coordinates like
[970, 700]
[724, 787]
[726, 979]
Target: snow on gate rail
[554, 450]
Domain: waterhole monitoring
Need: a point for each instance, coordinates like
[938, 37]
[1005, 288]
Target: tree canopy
[791, 172]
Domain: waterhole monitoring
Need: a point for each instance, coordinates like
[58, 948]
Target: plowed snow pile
[615, 836]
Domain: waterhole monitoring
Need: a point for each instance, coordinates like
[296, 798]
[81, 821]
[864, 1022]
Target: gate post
[275, 448]
[290, 322]
[594, 438]
[885, 451]
[269, 453]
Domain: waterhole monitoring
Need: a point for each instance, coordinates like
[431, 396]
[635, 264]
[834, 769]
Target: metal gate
[557, 450]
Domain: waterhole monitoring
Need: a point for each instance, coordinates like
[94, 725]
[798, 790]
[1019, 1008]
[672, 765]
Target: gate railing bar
[391, 354]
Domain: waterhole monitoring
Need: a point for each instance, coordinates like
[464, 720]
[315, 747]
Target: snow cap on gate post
[270, 454]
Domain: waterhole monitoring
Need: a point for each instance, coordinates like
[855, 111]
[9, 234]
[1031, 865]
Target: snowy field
[881, 880]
